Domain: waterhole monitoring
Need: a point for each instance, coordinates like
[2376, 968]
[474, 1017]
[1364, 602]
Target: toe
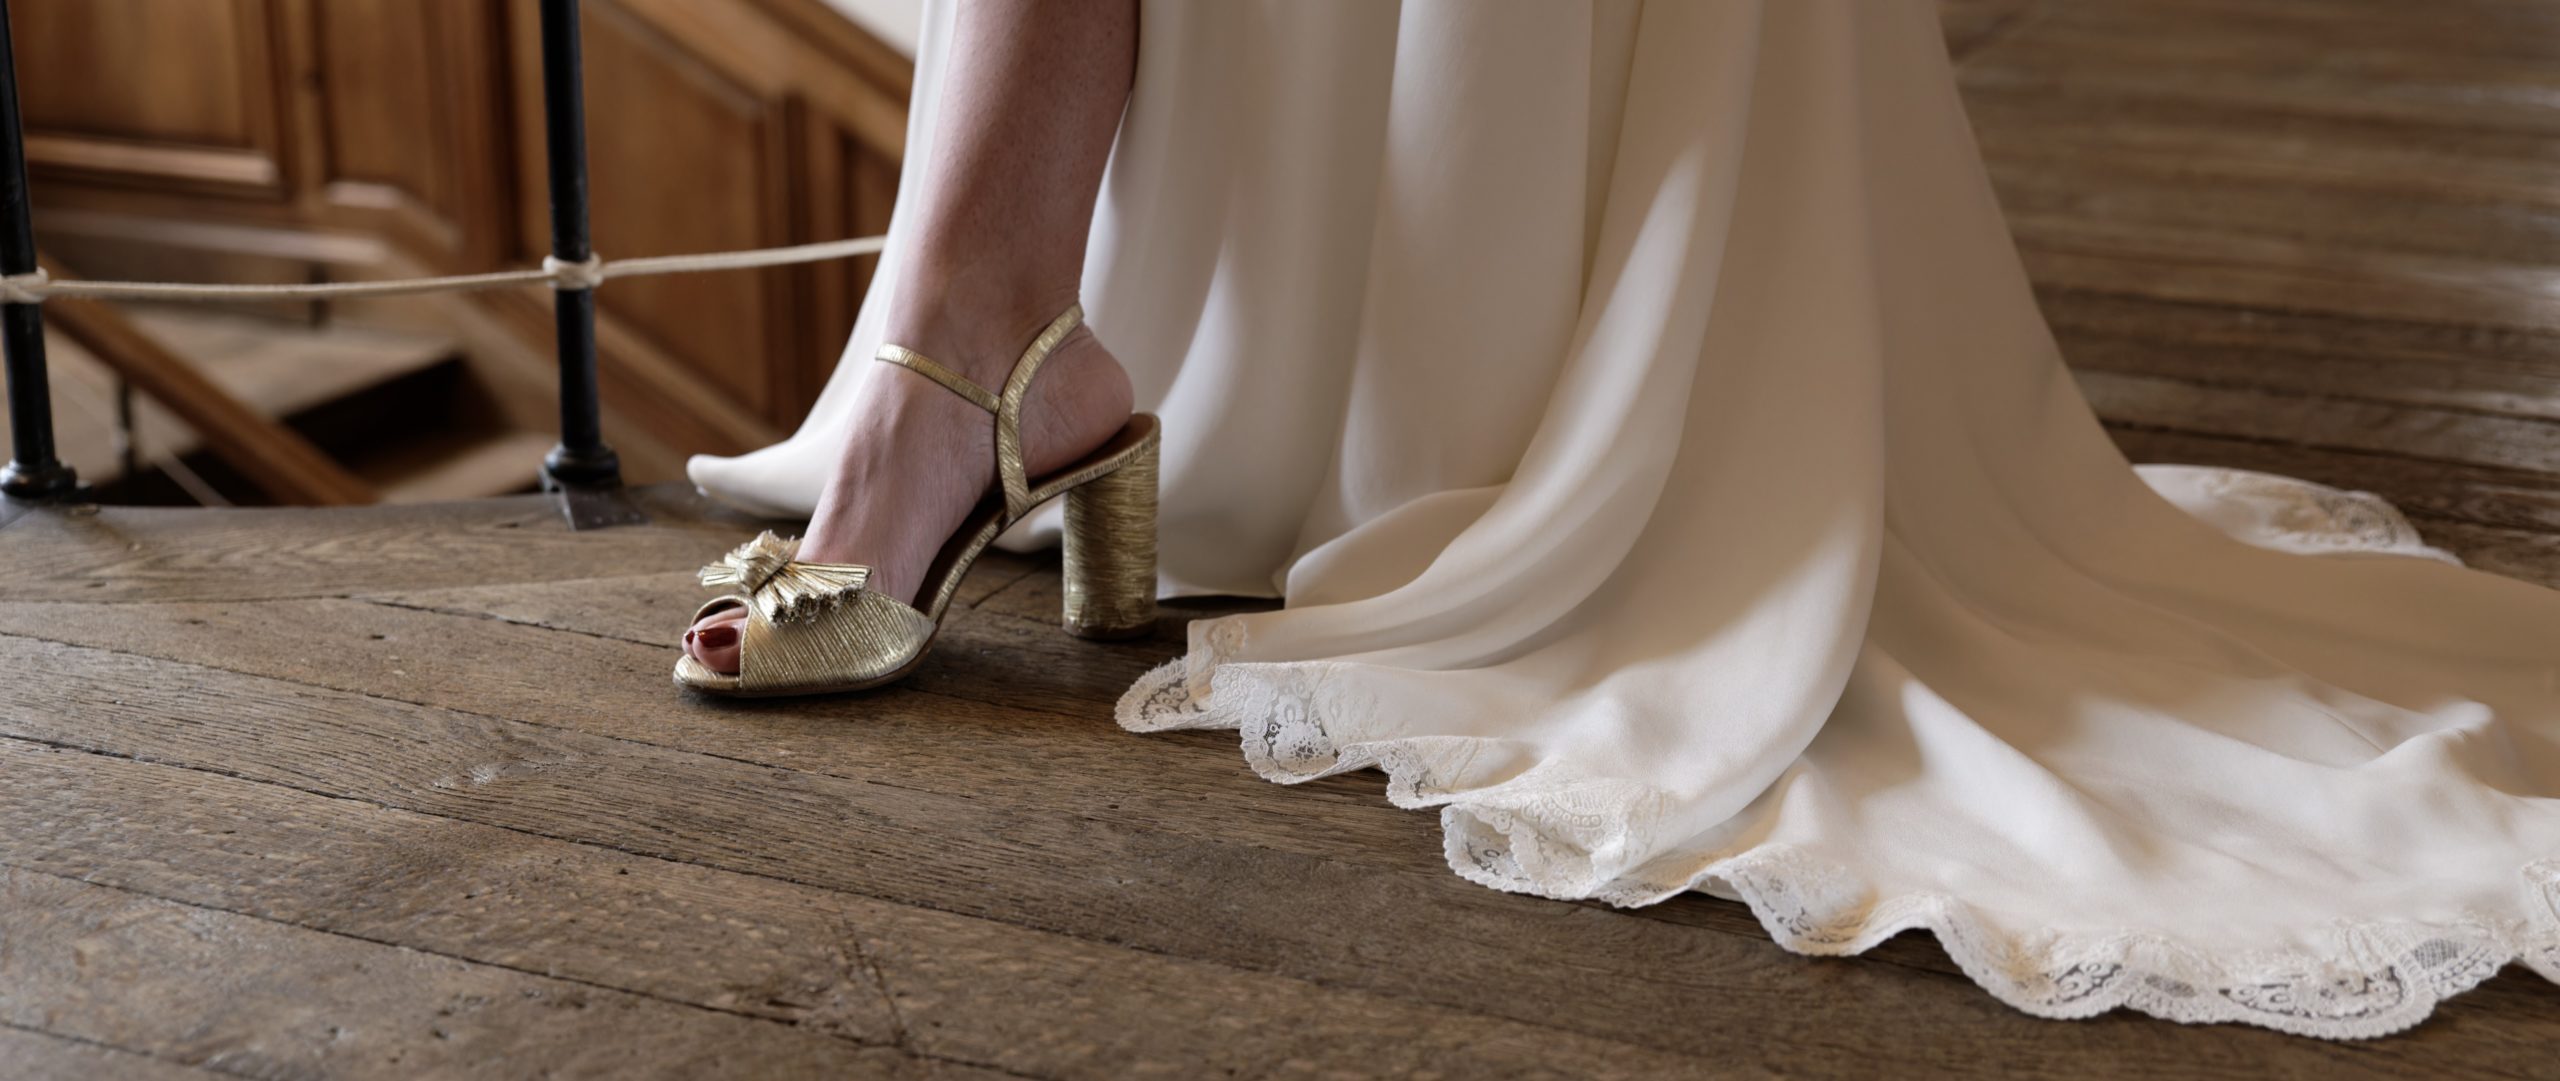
[714, 642]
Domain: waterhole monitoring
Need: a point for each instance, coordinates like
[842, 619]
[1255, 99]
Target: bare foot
[918, 458]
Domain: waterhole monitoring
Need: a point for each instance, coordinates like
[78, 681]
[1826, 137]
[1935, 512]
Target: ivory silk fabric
[1644, 413]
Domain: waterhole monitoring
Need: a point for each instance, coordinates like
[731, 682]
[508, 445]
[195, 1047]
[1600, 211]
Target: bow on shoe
[779, 587]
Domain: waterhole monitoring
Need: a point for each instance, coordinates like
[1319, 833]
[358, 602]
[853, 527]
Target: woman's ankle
[1082, 396]
[976, 323]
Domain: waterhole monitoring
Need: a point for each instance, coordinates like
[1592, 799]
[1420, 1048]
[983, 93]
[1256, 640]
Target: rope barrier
[35, 286]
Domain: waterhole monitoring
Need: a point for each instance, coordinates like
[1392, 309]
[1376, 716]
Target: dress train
[1643, 411]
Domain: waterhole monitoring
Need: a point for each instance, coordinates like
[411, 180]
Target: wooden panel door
[410, 115]
[684, 157]
[716, 125]
[168, 93]
[291, 140]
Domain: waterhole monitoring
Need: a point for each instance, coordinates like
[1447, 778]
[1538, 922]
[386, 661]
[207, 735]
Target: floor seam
[899, 1046]
[154, 1056]
[1262, 973]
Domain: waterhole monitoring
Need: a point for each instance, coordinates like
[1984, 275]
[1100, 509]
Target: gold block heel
[1110, 542]
[816, 628]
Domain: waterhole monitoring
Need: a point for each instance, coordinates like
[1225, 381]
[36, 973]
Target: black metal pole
[33, 473]
[581, 459]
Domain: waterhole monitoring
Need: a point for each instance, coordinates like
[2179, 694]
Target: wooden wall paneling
[782, 58]
[841, 45]
[837, 99]
[293, 140]
[683, 156]
[483, 155]
[642, 382]
[388, 131]
[406, 104]
[172, 93]
[827, 291]
[849, 191]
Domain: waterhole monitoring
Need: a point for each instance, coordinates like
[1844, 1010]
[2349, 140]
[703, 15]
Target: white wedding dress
[1644, 413]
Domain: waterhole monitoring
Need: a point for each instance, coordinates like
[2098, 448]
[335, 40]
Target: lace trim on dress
[1558, 836]
[2291, 515]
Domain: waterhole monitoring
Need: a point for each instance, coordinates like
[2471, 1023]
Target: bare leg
[1031, 98]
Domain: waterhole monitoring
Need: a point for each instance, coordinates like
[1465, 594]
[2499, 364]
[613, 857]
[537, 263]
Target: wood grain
[939, 985]
[32, 1055]
[2477, 369]
[177, 93]
[399, 137]
[1421, 935]
[2359, 158]
[245, 753]
[1068, 760]
[151, 554]
[276, 458]
[249, 996]
[496, 666]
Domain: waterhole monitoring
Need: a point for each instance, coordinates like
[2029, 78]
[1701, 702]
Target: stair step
[399, 409]
[282, 368]
[468, 466]
[278, 368]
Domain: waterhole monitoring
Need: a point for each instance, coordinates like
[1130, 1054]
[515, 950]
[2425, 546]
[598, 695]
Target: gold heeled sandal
[812, 628]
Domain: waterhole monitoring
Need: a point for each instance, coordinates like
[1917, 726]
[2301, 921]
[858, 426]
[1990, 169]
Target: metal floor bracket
[597, 506]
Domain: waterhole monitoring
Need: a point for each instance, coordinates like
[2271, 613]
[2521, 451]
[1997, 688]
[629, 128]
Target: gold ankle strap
[1007, 406]
[927, 367]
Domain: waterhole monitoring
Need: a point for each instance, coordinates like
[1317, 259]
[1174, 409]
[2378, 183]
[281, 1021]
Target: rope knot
[567, 275]
[28, 288]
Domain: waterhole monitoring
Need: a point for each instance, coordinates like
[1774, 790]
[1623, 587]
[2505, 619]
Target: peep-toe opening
[831, 635]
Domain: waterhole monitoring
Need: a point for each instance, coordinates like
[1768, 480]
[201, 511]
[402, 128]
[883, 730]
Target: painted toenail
[718, 635]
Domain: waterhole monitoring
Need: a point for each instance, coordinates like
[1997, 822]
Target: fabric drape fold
[1646, 417]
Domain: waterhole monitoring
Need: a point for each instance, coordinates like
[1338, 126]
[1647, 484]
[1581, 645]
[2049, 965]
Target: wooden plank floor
[397, 792]
[2317, 237]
